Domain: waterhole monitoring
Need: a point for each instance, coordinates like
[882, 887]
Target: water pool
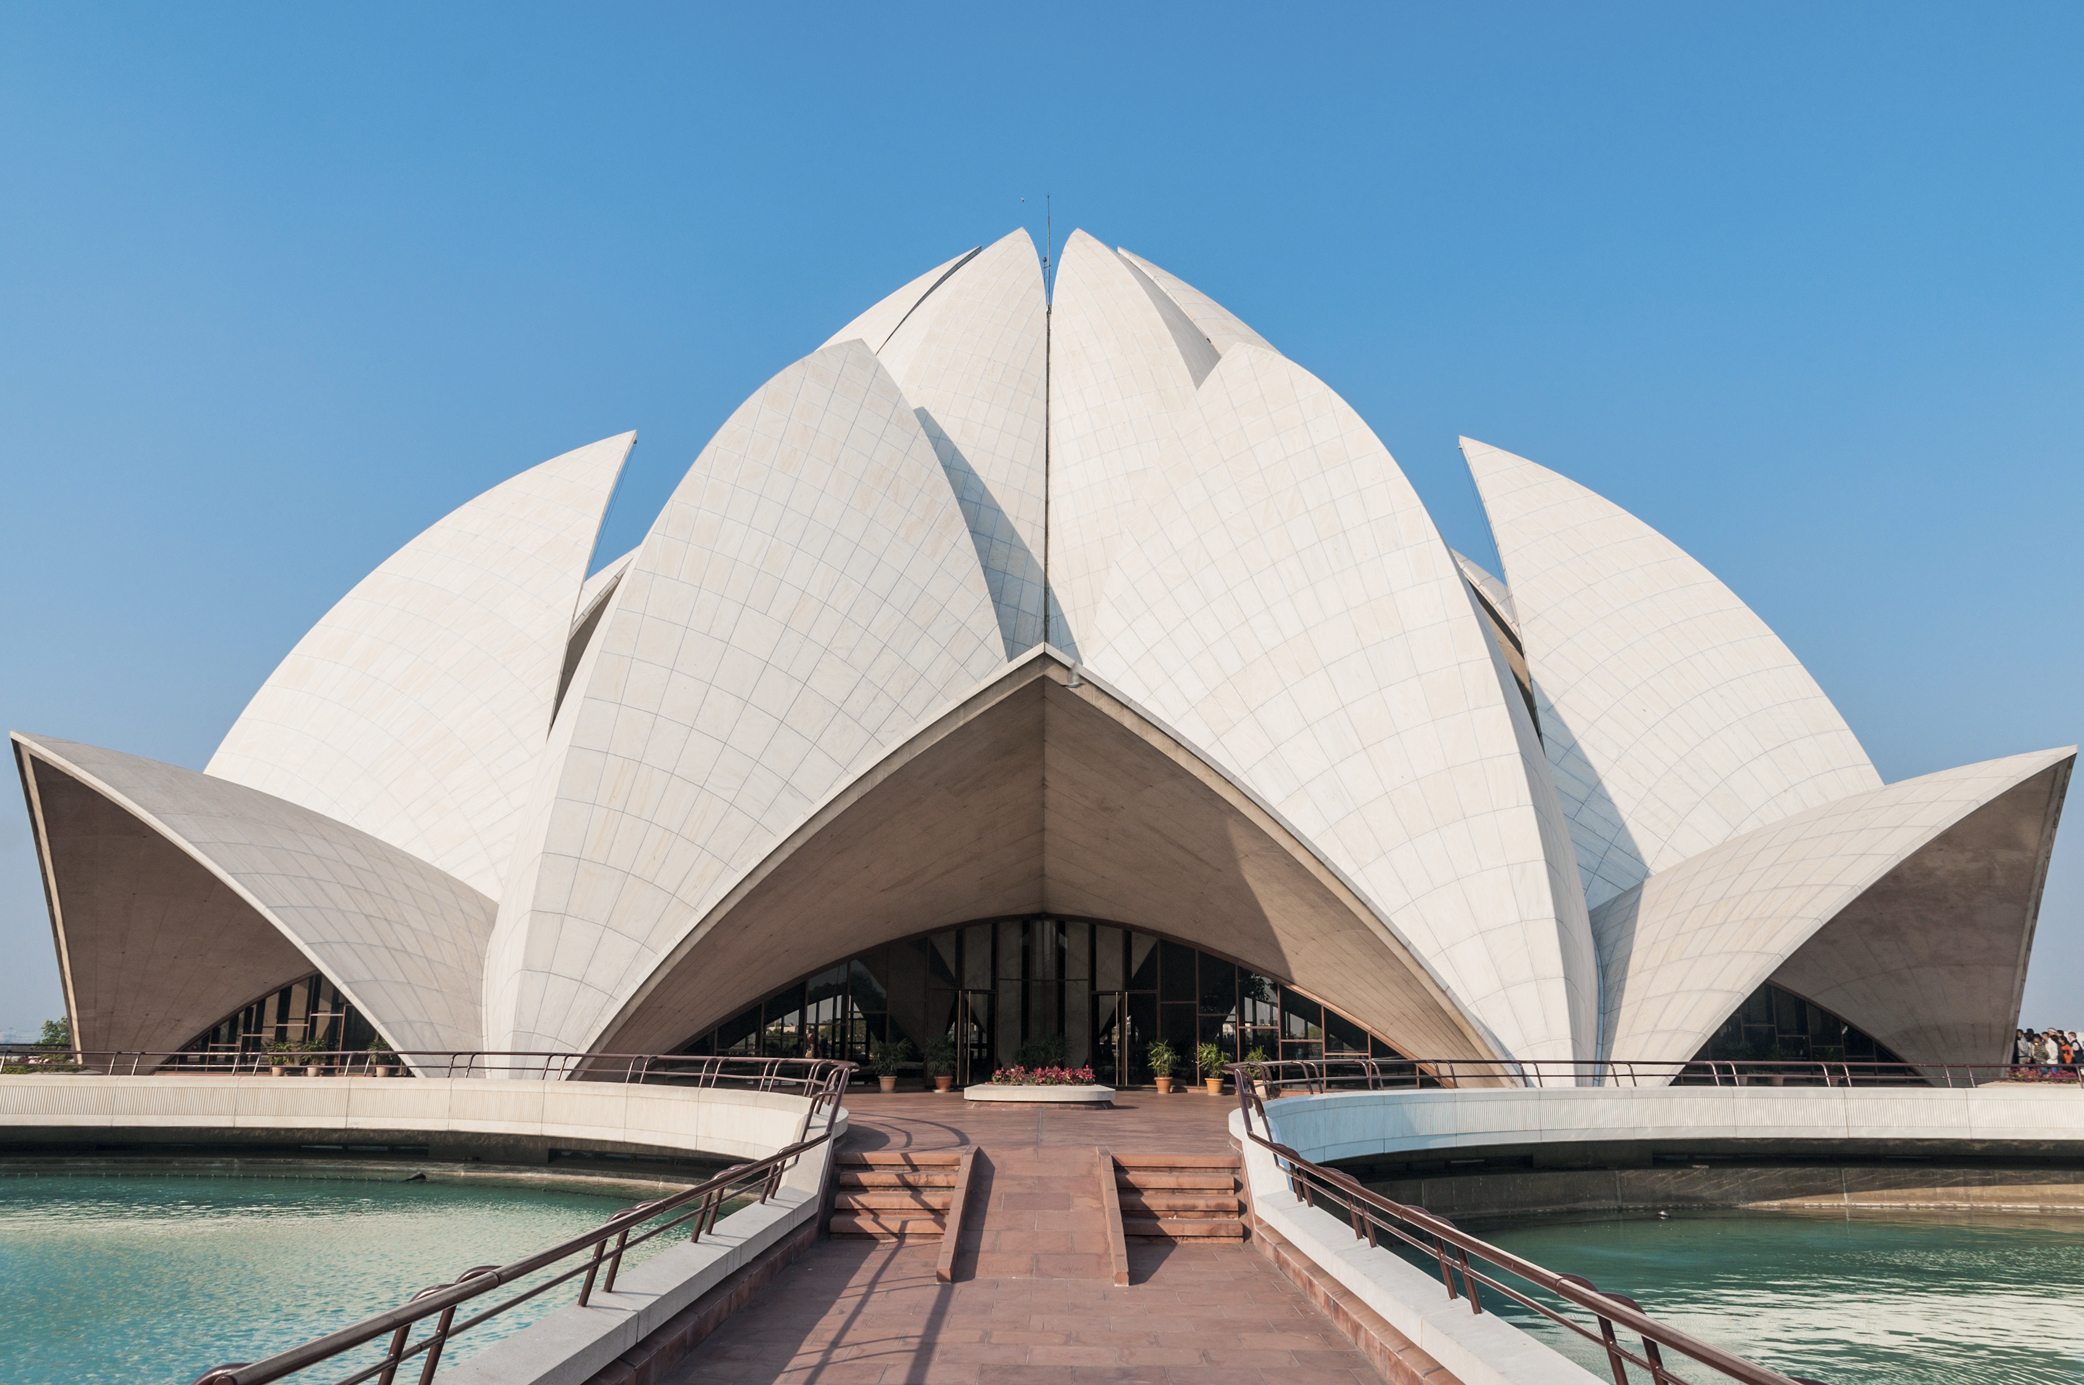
[152, 1280]
[1866, 1299]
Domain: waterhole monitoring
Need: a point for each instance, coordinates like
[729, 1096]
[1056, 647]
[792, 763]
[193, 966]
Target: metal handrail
[703, 1204]
[1382, 1074]
[1373, 1216]
[764, 1074]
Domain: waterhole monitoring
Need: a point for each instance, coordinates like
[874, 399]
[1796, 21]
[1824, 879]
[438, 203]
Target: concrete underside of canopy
[1035, 797]
[1931, 958]
[154, 946]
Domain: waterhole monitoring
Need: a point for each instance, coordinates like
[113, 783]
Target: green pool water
[1869, 1299]
[154, 1280]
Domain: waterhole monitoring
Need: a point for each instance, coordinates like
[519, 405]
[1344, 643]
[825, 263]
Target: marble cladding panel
[1223, 328]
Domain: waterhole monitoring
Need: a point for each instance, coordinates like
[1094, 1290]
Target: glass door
[973, 1055]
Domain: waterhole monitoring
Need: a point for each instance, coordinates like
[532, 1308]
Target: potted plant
[1163, 1058]
[885, 1057]
[939, 1059]
[282, 1055]
[1212, 1058]
[1256, 1054]
[311, 1048]
[383, 1060]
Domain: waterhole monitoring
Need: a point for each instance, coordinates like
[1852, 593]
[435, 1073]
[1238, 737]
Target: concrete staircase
[1180, 1197]
[893, 1197]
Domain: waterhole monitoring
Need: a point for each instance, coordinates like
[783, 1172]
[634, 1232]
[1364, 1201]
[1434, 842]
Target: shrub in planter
[885, 1057]
[939, 1061]
[1163, 1058]
[283, 1054]
[1018, 1076]
[383, 1060]
[1211, 1059]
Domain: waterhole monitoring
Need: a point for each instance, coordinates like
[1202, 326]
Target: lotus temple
[1045, 669]
[1005, 669]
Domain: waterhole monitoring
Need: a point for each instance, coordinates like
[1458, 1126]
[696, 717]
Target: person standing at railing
[2022, 1052]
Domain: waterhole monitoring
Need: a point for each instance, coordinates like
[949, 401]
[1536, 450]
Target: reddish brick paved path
[1033, 1301]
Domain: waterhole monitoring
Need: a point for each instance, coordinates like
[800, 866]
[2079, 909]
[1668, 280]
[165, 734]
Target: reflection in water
[152, 1281]
[1871, 1299]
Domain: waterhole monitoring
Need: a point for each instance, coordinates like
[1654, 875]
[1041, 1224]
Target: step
[886, 1226]
[1176, 1161]
[1182, 1229]
[1156, 1204]
[886, 1159]
[1144, 1180]
[896, 1199]
[895, 1178]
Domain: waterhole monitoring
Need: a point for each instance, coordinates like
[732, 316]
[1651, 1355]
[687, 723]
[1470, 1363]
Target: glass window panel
[1218, 985]
[1379, 1048]
[1078, 951]
[1342, 1035]
[1045, 950]
[1181, 1028]
[1012, 948]
[1295, 1049]
[1301, 1018]
[1267, 1041]
[864, 984]
[1255, 1000]
[1143, 962]
[1045, 1000]
[740, 1033]
[1176, 973]
[1008, 1037]
[939, 952]
[1220, 1029]
[1107, 1038]
[1078, 1022]
[828, 983]
[1787, 1012]
[1143, 1028]
[976, 957]
[1107, 959]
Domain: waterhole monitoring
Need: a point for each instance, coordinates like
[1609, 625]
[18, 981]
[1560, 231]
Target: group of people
[2048, 1054]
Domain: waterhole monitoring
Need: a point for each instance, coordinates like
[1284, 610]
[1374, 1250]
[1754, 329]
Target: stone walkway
[1033, 1299]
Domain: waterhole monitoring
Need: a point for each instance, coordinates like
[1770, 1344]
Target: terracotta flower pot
[943, 1083]
[1214, 1085]
[888, 1084]
[276, 1069]
[1164, 1086]
[313, 1070]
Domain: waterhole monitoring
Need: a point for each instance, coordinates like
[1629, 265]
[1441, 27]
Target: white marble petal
[402, 940]
[876, 324]
[1674, 719]
[1116, 380]
[808, 596]
[973, 361]
[1223, 328]
[415, 709]
[1681, 950]
[1285, 603]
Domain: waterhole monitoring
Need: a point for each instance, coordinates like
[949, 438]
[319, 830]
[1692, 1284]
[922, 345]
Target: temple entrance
[1042, 991]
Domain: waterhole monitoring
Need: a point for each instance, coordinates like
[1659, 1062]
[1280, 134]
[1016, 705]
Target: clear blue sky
[1798, 284]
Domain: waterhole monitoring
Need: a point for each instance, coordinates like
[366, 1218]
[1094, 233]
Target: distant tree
[56, 1034]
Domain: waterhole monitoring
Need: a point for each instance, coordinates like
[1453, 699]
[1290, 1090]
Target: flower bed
[1044, 1077]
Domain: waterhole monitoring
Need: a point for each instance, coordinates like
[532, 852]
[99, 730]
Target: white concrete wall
[710, 1120]
[1347, 1125]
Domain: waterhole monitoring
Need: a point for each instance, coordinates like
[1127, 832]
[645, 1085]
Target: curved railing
[594, 1254]
[1387, 1074]
[1468, 1266]
[763, 1074]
